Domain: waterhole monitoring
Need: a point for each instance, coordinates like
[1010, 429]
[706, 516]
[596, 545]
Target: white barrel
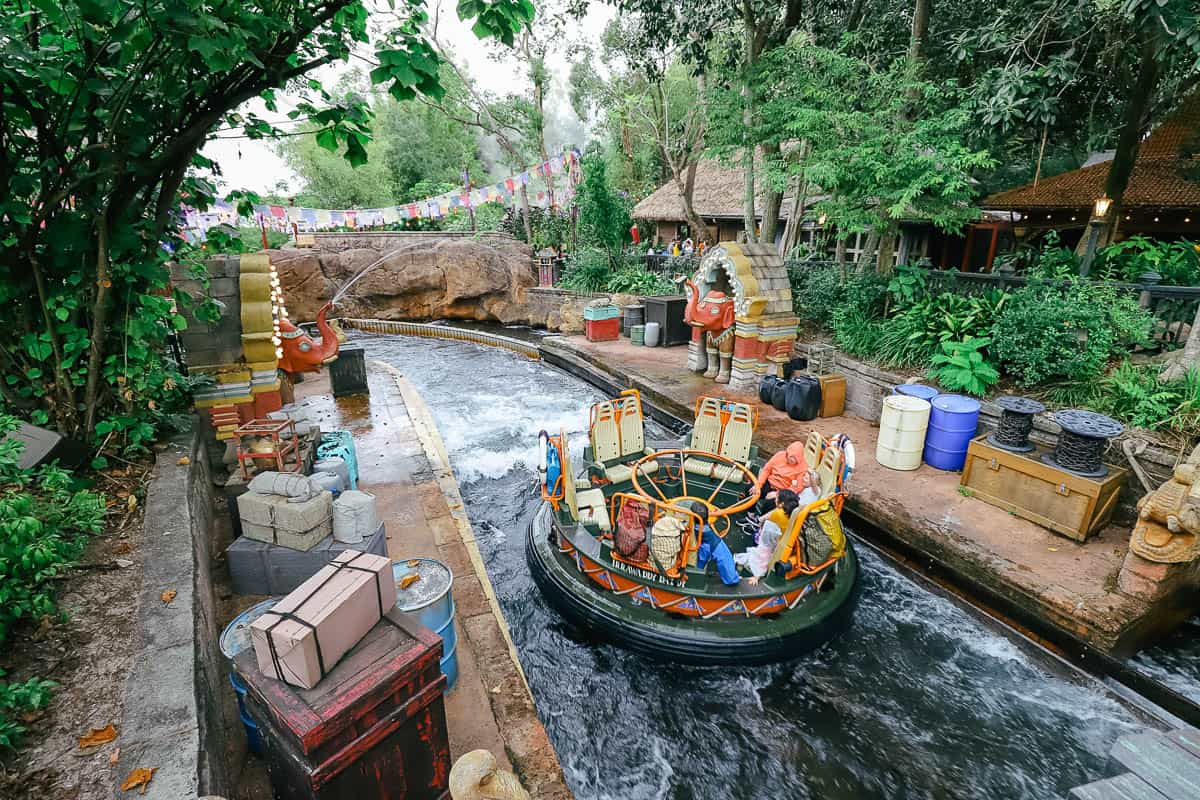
[652, 331]
[354, 517]
[336, 465]
[902, 426]
[330, 481]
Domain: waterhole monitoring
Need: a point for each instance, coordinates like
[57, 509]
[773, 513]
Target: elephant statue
[713, 316]
[300, 352]
[477, 776]
[1168, 526]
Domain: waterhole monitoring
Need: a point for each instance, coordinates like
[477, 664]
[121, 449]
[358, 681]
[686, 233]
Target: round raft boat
[616, 549]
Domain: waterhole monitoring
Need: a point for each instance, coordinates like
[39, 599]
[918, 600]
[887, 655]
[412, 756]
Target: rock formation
[420, 276]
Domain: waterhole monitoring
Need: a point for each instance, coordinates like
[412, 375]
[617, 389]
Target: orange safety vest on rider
[783, 475]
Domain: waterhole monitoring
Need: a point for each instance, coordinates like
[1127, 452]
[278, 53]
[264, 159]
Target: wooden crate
[373, 729]
[1022, 483]
[833, 395]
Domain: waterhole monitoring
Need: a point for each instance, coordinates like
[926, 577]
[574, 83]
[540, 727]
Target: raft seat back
[633, 431]
[713, 469]
[739, 433]
[829, 470]
[812, 449]
[706, 433]
[593, 510]
[570, 493]
[787, 542]
[603, 432]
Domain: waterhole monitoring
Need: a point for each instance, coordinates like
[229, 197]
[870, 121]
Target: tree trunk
[887, 250]
[749, 218]
[772, 200]
[1132, 126]
[525, 215]
[1188, 358]
[99, 326]
[922, 9]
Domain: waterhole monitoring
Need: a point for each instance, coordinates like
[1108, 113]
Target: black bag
[779, 396]
[803, 397]
[766, 388]
[795, 365]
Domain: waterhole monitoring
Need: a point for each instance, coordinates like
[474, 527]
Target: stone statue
[477, 776]
[1168, 526]
[713, 316]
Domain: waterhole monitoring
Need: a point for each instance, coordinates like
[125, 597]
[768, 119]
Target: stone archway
[765, 322]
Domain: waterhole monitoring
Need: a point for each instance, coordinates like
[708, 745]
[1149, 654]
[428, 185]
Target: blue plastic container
[234, 639]
[340, 444]
[919, 390]
[429, 601]
[952, 424]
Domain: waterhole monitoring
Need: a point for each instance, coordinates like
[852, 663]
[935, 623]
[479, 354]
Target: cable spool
[1016, 421]
[1082, 442]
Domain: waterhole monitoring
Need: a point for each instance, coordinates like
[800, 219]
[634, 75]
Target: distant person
[713, 548]
[689, 247]
[674, 247]
[757, 559]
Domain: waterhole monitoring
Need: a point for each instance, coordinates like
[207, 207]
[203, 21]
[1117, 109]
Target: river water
[918, 699]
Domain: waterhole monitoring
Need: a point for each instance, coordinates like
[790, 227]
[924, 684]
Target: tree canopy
[104, 105]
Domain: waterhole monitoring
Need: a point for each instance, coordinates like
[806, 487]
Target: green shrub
[1048, 333]
[961, 367]
[950, 317]
[44, 523]
[586, 270]
[1133, 394]
[1177, 262]
[820, 289]
[17, 699]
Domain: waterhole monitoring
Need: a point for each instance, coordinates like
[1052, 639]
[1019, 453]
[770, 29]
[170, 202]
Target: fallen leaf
[1053, 549]
[98, 736]
[115, 757]
[131, 503]
[183, 462]
[168, 595]
[409, 580]
[414, 562]
[123, 563]
[139, 779]
[122, 548]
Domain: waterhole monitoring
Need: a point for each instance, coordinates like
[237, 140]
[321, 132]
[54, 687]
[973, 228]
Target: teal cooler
[602, 323]
[428, 601]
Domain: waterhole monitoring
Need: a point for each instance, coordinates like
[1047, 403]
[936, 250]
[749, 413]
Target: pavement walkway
[403, 463]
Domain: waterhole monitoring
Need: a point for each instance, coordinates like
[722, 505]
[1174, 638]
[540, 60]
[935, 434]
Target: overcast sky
[254, 165]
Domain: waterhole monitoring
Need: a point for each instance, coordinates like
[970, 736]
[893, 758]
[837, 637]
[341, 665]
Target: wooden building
[1162, 200]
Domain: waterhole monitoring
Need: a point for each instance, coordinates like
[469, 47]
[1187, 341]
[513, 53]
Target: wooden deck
[1161, 766]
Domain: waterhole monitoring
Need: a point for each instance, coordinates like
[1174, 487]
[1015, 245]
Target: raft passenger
[713, 548]
[788, 470]
[757, 559]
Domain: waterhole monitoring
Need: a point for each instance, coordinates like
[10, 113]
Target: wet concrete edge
[172, 723]
[525, 739]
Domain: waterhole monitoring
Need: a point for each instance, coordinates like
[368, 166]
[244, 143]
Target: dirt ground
[88, 655]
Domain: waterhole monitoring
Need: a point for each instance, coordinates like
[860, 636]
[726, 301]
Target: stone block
[257, 567]
[1148, 580]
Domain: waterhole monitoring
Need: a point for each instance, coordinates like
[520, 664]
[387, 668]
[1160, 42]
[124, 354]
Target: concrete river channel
[922, 697]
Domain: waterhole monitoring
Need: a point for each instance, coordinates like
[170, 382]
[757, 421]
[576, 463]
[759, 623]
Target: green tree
[603, 215]
[104, 105]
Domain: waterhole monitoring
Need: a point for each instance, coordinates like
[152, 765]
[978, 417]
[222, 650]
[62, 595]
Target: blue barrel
[919, 390]
[234, 639]
[952, 424]
[429, 602]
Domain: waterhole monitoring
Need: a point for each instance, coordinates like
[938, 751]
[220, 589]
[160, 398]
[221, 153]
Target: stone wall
[867, 386]
[174, 716]
[212, 343]
[562, 310]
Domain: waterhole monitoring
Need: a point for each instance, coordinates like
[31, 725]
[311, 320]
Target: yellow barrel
[902, 426]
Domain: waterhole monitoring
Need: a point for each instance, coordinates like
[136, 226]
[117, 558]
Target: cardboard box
[304, 636]
[272, 518]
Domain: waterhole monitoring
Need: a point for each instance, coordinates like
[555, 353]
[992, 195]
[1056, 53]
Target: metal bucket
[234, 639]
[429, 601]
[952, 424]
